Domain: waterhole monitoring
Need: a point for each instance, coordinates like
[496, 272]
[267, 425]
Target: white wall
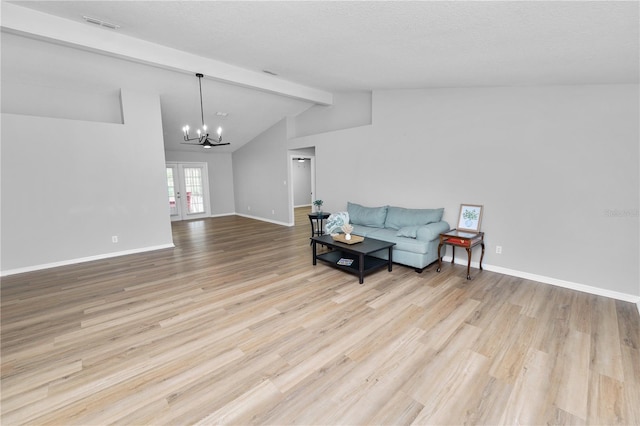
[551, 165]
[68, 186]
[220, 168]
[260, 176]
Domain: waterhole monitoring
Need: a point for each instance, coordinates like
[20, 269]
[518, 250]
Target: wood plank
[529, 397]
[606, 350]
[573, 390]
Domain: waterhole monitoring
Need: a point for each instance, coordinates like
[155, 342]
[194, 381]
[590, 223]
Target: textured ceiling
[362, 46]
[380, 45]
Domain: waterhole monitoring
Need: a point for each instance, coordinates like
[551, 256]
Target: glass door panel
[193, 186]
[188, 190]
[173, 192]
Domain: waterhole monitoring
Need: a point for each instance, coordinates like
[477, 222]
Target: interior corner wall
[220, 169]
[68, 186]
[260, 176]
[556, 169]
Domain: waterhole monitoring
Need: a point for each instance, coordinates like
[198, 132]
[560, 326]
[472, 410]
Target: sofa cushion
[398, 217]
[363, 231]
[408, 231]
[367, 216]
[402, 243]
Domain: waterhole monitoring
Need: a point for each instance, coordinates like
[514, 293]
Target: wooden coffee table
[356, 257]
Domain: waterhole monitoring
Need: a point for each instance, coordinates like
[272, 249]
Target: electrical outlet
[498, 249]
[273, 212]
[114, 239]
[249, 208]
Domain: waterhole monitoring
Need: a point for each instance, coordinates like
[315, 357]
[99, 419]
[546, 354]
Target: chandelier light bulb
[204, 127]
[219, 131]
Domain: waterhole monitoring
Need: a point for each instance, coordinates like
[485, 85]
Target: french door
[188, 190]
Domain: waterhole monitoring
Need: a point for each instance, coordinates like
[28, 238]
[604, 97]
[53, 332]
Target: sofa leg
[419, 270]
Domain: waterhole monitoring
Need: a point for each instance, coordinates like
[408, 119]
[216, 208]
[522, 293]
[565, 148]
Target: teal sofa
[415, 231]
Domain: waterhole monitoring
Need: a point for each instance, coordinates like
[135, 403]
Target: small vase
[347, 237]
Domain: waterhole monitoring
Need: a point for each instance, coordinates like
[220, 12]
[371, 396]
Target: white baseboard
[82, 260]
[553, 281]
[223, 214]
[265, 220]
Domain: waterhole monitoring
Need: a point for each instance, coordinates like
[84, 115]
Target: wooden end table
[467, 240]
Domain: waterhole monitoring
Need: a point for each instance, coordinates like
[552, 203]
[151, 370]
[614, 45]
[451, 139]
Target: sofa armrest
[432, 231]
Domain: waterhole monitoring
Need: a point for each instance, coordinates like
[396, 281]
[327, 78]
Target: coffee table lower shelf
[370, 263]
[360, 254]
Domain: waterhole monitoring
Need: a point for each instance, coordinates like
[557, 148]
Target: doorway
[188, 190]
[301, 182]
[302, 178]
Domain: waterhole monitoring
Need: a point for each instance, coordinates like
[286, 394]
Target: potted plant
[318, 205]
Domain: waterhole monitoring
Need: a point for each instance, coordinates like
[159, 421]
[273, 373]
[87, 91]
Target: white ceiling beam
[29, 22]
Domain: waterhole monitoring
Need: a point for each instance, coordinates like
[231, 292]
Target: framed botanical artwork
[470, 218]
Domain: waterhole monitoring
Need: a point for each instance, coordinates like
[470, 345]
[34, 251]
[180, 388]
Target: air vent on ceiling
[269, 72]
[100, 22]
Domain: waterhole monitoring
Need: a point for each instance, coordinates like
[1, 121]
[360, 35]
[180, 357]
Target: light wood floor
[236, 326]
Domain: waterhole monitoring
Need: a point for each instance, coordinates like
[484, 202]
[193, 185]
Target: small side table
[317, 223]
[467, 240]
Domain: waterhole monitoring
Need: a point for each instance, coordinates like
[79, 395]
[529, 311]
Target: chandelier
[203, 138]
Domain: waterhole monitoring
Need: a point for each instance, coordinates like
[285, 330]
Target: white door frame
[183, 213]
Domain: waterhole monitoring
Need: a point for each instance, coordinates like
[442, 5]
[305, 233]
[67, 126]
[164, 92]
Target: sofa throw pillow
[335, 221]
[398, 217]
[367, 216]
[408, 231]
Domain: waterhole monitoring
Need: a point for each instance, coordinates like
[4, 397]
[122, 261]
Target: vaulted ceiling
[320, 47]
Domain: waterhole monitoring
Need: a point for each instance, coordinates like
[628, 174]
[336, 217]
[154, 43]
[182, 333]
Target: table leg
[313, 243]
[453, 253]
[439, 258]
[468, 262]
[390, 259]
[482, 255]
[361, 267]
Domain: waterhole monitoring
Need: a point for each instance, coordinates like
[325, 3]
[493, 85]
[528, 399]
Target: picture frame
[470, 217]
